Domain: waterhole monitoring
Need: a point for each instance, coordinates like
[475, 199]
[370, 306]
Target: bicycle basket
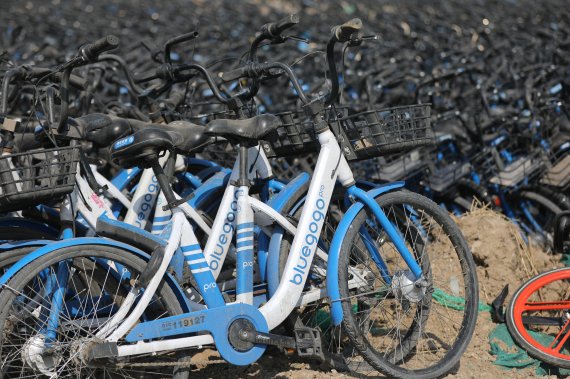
[296, 135]
[522, 166]
[558, 174]
[203, 113]
[36, 177]
[222, 153]
[379, 132]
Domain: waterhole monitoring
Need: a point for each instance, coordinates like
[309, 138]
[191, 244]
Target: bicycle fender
[89, 241]
[333, 290]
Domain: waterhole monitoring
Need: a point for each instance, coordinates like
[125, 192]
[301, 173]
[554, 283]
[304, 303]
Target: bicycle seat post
[163, 180]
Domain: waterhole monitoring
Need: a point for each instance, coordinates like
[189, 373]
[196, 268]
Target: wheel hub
[405, 286]
[34, 355]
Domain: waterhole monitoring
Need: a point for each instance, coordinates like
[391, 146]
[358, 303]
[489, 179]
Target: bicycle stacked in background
[333, 266]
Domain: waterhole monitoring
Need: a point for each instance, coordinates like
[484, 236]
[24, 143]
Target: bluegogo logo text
[124, 142]
[146, 202]
[226, 235]
[310, 241]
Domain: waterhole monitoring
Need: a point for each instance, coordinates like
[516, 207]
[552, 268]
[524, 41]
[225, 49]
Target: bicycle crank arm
[256, 337]
[307, 341]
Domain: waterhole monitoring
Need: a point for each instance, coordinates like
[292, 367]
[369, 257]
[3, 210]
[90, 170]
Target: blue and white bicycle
[397, 275]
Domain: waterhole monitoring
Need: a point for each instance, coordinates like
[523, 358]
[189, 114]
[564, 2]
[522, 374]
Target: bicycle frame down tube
[310, 224]
[178, 221]
[222, 231]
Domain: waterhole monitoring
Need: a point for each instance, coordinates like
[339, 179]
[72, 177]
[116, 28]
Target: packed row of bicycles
[125, 249]
[151, 200]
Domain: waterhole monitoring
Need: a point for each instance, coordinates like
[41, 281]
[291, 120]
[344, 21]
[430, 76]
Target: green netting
[455, 302]
[565, 259]
[509, 355]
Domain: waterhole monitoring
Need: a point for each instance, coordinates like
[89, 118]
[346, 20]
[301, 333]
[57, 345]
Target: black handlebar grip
[235, 74]
[91, 51]
[343, 32]
[76, 81]
[276, 28]
[145, 76]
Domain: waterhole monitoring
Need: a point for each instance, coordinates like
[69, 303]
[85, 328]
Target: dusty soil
[502, 258]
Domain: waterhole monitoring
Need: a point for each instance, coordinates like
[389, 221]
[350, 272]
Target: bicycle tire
[398, 359]
[8, 258]
[88, 273]
[518, 308]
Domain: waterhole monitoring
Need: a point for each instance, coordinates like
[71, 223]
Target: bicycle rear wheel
[538, 317]
[97, 283]
[401, 327]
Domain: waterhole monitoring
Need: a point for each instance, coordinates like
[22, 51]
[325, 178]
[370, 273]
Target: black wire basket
[522, 166]
[394, 167]
[37, 177]
[377, 133]
[296, 135]
[557, 173]
[203, 113]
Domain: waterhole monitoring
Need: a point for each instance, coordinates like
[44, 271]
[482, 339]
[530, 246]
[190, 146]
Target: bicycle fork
[390, 230]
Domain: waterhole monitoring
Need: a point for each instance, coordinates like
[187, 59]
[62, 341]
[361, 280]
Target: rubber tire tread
[519, 339]
[470, 277]
[29, 271]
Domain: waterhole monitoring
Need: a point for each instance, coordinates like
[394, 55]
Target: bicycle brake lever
[357, 39]
[298, 39]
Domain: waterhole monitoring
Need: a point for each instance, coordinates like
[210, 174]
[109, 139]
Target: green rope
[455, 302]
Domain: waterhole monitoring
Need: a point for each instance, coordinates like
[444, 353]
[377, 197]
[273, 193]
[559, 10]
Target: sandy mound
[501, 255]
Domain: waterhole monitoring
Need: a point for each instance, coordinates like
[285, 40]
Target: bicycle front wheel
[53, 308]
[538, 317]
[405, 328]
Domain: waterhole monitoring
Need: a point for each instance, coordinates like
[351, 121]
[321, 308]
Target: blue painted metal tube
[392, 232]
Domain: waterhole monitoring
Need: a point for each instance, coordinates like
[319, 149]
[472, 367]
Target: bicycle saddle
[149, 140]
[98, 128]
[246, 130]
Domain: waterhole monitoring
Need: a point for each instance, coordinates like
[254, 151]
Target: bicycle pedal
[309, 343]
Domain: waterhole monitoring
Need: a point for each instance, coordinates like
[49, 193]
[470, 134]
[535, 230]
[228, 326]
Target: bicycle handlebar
[254, 70]
[91, 51]
[176, 40]
[274, 29]
[240, 72]
[343, 33]
[29, 73]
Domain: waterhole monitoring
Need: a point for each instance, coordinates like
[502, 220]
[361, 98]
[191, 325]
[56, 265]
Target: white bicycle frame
[331, 166]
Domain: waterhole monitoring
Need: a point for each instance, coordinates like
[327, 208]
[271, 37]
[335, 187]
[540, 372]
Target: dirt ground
[501, 256]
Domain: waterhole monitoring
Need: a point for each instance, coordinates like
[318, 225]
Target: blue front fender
[334, 251]
[89, 241]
